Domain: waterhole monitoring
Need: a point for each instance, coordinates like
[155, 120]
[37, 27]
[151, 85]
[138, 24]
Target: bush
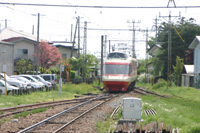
[140, 70]
[31, 73]
[73, 74]
[78, 77]
[160, 83]
[141, 77]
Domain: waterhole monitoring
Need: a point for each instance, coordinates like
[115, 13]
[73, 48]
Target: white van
[49, 77]
[39, 78]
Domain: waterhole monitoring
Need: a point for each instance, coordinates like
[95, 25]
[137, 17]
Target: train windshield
[117, 69]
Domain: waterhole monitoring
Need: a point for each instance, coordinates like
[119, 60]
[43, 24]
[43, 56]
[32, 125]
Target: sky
[55, 22]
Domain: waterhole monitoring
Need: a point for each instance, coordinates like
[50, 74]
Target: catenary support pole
[101, 57]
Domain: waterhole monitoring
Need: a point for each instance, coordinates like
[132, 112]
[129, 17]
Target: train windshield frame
[117, 69]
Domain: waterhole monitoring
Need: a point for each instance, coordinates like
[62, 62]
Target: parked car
[9, 87]
[30, 78]
[29, 83]
[46, 83]
[49, 77]
[13, 82]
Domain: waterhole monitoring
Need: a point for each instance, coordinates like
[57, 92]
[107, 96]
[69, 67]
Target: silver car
[46, 83]
[9, 87]
[13, 82]
[30, 78]
[26, 81]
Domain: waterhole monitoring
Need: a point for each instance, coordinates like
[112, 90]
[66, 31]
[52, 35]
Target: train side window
[132, 65]
[130, 70]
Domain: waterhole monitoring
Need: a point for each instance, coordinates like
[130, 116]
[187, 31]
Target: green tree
[90, 61]
[188, 30]
[23, 66]
[178, 68]
[151, 42]
[141, 69]
[157, 63]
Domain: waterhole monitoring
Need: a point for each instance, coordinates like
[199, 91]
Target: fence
[78, 81]
[28, 91]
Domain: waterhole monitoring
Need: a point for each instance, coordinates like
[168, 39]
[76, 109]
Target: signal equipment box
[132, 108]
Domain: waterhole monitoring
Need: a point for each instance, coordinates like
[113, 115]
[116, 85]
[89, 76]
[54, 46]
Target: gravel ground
[84, 125]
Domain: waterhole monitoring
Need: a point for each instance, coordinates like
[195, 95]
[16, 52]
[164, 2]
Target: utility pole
[105, 47]
[101, 57]
[37, 69]
[33, 30]
[109, 46]
[84, 50]
[37, 50]
[147, 55]
[71, 32]
[133, 39]
[156, 23]
[169, 47]
[74, 38]
[5, 22]
[78, 42]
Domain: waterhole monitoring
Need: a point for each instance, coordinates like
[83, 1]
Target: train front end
[117, 74]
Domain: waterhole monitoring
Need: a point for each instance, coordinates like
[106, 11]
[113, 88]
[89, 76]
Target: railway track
[146, 92]
[19, 109]
[60, 121]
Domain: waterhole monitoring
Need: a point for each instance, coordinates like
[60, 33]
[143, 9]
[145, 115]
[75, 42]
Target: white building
[123, 47]
[6, 58]
[196, 46]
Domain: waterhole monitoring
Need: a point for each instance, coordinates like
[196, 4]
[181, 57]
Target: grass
[68, 91]
[26, 113]
[182, 111]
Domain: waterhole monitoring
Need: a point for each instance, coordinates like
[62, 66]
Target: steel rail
[150, 92]
[55, 116]
[81, 115]
[37, 104]
[16, 112]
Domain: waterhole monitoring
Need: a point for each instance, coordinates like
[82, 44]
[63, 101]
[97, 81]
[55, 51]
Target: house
[65, 48]
[196, 46]
[25, 44]
[10, 33]
[153, 50]
[188, 75]
[6, 58]
[23, 48]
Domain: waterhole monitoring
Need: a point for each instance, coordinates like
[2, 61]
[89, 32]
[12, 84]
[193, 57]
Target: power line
[81, 6]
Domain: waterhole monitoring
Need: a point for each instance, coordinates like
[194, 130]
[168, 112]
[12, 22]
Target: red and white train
[119, 72]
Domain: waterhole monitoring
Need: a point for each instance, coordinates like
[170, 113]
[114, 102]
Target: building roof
[3, 42]
[153, 47]
[10, 33]
[17, 39]
[194, 42]
[189, 68]
[66, 44]
[188, 74]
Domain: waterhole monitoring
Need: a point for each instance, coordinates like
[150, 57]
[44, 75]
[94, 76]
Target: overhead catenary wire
[85, 6]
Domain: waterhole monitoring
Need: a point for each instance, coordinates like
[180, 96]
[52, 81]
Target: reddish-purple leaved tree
[48, 56]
